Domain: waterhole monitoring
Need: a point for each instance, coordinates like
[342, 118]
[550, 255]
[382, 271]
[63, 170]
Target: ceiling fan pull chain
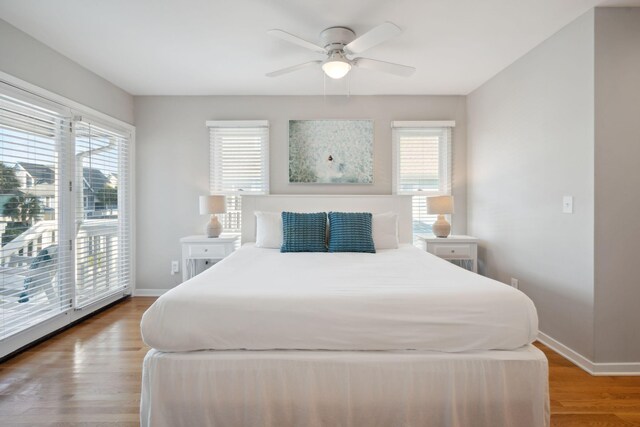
[324, 87]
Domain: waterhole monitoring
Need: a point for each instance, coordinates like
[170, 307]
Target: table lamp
[440, 205]
[213, 205]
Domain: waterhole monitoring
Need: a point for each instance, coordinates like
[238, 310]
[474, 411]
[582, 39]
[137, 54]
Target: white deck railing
[96, 252]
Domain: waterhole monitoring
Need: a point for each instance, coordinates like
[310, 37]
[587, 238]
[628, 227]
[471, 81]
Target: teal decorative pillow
[304, 232]
[351, 232]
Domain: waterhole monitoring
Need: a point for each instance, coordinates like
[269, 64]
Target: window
[64, 214]
[422, 165]
[102, 247]
[239, 164]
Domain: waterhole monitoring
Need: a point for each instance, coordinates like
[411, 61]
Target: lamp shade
[439, 205]
[212, 205]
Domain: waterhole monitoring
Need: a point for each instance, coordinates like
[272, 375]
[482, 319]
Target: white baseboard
[148, 292]
[593, 368]
[617, 369]
[569, 354]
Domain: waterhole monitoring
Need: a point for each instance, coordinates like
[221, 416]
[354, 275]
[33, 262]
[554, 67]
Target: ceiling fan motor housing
[336, 38]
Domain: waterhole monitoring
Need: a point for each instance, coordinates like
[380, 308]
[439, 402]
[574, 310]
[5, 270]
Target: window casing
[239, 164]
[422, 165]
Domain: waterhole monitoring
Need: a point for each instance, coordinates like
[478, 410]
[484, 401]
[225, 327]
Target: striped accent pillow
[304, 232]
[351, 232]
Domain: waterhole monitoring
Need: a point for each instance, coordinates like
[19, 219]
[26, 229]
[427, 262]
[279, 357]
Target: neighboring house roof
[42, 174]
[94, 179]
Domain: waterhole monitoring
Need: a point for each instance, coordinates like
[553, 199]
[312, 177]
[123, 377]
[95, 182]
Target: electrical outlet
[175, 267]
[514, 283]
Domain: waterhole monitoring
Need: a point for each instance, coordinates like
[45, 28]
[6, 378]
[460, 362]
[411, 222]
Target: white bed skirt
[345, 388]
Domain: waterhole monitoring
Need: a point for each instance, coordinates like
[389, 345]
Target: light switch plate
[567, 204]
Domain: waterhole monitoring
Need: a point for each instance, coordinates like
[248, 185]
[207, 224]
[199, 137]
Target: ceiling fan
[340, 44]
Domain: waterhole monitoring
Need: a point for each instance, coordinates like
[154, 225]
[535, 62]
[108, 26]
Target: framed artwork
[331, 151]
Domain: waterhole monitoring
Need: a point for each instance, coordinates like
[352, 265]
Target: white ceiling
[206, 47]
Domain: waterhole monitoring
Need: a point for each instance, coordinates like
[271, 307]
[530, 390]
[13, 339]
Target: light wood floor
[90, 375]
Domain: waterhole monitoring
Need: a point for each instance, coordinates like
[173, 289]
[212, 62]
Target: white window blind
[102, 194]
[422, 165]
[35, 257]
[65, 217]
[239, 164]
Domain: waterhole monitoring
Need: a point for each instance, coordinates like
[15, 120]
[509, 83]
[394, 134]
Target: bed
[396, 338]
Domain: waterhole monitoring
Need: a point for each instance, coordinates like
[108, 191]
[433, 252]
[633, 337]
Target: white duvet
[396, 299]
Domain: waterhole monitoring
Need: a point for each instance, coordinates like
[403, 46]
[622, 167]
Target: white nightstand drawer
[453, 250]
[195, 249]
[208, 251]
[457, 249]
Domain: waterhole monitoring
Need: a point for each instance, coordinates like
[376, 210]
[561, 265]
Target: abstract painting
[331, 151]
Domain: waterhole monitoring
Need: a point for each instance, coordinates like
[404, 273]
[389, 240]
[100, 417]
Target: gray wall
[617, 194]
[172, 163]
[530, 142]
[564, 119]
[30, 60]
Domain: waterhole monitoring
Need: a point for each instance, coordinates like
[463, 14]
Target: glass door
[34, 259]
[65, 229]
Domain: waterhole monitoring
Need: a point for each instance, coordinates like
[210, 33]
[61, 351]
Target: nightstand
[201, 252]
[453, 248]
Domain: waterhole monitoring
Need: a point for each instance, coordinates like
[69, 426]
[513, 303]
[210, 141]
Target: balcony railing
[30, 266]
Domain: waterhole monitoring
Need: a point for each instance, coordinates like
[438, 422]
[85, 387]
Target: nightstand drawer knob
[452, 251]
[207, 250]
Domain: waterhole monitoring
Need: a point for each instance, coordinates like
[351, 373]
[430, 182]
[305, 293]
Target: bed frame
[343, 388]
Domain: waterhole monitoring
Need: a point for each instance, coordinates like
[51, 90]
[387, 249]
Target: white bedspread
[397, 299]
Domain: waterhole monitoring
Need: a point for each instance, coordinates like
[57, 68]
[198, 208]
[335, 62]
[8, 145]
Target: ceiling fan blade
[293, 68]
[373, 37]
[283, 35]
[387, 67]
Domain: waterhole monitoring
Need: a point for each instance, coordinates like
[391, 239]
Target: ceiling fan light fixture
[336, 69]
[336, 66]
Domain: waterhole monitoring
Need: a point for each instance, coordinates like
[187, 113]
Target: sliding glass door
[64, 216]
[34, 263]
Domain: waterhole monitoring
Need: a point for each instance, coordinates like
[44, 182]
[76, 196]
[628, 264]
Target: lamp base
[441, 228]
[214, 227]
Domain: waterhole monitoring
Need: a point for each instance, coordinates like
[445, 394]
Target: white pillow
[269, 230]
[385, 230]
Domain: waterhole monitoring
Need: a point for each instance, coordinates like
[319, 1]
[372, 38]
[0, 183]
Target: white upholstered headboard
[326, 203]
